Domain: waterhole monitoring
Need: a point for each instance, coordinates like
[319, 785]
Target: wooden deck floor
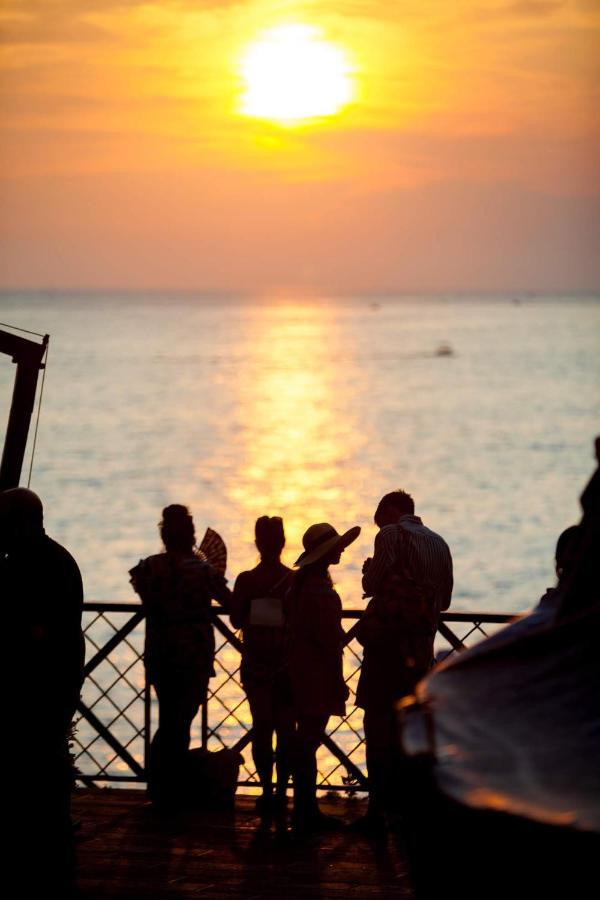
[125, 850]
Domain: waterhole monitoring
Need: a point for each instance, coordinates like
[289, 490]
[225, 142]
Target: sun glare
[291, 74]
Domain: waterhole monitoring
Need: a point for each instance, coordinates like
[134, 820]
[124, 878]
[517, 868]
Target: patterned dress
[176, 593]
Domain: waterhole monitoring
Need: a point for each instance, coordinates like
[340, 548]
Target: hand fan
[214, 551]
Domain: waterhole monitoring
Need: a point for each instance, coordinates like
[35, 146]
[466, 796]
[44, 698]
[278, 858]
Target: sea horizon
[293, 294]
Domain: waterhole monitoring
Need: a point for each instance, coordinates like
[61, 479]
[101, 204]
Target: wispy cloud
[110, 95]
[535, 7]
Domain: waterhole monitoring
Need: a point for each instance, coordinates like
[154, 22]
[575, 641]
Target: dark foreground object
[469, 854]
[125, 850]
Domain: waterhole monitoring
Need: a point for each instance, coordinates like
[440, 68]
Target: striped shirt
[422, 555]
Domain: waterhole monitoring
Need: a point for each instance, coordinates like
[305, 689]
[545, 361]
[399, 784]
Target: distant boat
[444, 349]
[374, 305]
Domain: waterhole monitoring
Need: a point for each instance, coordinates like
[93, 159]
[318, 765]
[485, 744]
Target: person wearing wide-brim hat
[315, 659]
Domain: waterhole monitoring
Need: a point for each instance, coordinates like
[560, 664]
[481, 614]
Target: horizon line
[282, 292]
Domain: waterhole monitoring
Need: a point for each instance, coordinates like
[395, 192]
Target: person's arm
[62, 639]
[136, 579]
[238, 603]
[144, 579]
[331, 636]
[384, 556]
[77, 632]
[370, 628]
[448, 585]
[328, 620]
[218, 588]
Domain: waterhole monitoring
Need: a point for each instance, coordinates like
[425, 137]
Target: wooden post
[28, 356]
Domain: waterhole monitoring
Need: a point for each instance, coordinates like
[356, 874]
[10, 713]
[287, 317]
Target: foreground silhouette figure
[257, 608]
[505, 743]
[176, 588]
[42, 595]
[316, 666]
[410, 582]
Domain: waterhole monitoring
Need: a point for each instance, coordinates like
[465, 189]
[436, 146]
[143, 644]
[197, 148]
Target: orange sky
[467, 160]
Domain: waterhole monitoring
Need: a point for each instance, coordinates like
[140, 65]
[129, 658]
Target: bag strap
[277, 584]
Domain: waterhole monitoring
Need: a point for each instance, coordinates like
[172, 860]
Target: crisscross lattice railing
[114, 721]
[117, 712]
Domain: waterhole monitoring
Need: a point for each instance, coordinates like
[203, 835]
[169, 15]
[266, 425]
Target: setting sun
[291, 74]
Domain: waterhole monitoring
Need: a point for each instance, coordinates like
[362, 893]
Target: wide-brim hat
[321, 539]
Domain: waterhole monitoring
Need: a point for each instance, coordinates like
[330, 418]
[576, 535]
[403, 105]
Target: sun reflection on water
[298, 428]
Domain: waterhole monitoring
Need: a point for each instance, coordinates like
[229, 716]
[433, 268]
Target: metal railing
[117, 712]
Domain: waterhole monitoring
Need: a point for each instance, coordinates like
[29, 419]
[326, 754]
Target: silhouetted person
[564, 558]
[546, 611]
[257, 608]
[176, 588]
[410, 582]
[316, 665]
[42, 598]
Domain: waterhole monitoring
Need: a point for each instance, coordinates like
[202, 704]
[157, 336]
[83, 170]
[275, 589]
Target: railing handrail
[348, 613]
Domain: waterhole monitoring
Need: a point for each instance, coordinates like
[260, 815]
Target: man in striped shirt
[409, 580]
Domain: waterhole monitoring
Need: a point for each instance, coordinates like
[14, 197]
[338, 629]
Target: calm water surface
[312, 411]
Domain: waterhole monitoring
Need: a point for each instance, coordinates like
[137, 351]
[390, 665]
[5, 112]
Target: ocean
[310, 409]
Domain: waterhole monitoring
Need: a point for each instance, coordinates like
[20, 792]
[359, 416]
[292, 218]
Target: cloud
[563, 164]
[49, 30]
[68, 21]
[26, 103]
[535, 7]
[197, 229]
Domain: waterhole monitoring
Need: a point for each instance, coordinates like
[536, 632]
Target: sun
[292, 75]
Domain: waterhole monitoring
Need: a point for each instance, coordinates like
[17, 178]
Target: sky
[467, 158]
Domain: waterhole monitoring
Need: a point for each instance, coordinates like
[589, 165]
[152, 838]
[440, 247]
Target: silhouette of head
[392, 506]
[566, 548]
[270, 536]
[21, 517]
[323, 545]
[177, 528]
